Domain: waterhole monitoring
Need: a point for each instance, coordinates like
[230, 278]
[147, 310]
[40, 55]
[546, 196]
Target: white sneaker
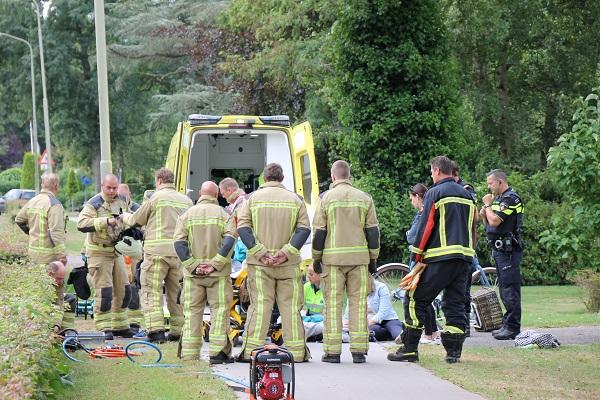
[425, 340]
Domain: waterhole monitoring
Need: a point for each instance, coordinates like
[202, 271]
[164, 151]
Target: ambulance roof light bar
[279, 120]
[201, 119]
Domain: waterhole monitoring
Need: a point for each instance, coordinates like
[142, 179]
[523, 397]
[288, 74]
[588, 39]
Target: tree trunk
[549, 131]
[505, 135]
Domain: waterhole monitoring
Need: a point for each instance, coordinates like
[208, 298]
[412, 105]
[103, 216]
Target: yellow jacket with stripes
[273, 219]
[93, 220]
[345, 226]
[158, 215]
[205, 234]
[43, 219]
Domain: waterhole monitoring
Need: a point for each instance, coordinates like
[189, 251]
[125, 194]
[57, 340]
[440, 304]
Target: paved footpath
[377, 378]
[382, 379]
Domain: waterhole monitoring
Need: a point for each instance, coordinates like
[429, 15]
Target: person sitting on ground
[382, 317]
[313, 303]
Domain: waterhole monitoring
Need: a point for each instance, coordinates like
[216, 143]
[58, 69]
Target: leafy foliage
[574, 163]
[28, 174]
[10, 179]
[391, 84]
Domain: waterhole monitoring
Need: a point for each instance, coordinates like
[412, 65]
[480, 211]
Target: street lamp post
[105, 158]
[34, 128]
[44, 97]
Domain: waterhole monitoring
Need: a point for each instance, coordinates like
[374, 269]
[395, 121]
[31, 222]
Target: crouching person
[204, 237]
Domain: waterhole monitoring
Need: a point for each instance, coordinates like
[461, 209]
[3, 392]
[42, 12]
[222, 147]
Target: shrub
[10, 179]
[589, 281]
[28, 176]
[29, 360]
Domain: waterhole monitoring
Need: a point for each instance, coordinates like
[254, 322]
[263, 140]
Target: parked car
[15, 196]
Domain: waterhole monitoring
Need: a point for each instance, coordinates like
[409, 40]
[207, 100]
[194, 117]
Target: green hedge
[29, 358]
[30, 361]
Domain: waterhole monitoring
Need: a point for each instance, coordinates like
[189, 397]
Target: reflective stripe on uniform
[454, 249]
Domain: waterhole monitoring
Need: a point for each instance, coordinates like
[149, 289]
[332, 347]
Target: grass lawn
[75, 239]
[569, 372]
[127, 381]
[548, 307]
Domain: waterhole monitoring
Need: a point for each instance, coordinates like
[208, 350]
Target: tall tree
[523, 63]
[394, 93]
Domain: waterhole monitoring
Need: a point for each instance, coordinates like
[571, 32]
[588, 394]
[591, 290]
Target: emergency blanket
[542, 340]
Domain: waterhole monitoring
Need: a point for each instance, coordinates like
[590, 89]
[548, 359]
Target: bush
[10, 179]
[13, 243]
[30, 363]
[589, 281]
[28, 176]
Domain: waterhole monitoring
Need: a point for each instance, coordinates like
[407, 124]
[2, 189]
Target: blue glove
[306, 318]
[317, 318]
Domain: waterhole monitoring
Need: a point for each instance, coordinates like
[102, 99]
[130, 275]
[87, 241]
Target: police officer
[203, 239]
[158, 215]
[43, 219]
[445, 241]
[345, 248]
[273, 224]
[100, 218]
[502, 214]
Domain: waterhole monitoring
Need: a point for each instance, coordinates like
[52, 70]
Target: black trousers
[508, 266]
[449, 276]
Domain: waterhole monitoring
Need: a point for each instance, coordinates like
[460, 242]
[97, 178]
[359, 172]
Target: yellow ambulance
[209, 147]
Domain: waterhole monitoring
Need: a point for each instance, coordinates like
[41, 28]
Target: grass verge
[569, 372]
[127, 381]
[548, 307]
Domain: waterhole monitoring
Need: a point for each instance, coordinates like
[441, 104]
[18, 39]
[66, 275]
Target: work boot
[156, 337]
[108, 335]
[331, 358]
[409, 350]
[468, 331]
[497, 331]
[453, 343]
[124, 333]
[220, 358]
[358, 358]
[173, 337]
[506, 334]
[135, 327]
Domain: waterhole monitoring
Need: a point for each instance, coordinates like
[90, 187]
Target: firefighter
[101, 220]
[502, 215]
[345, 249]
[445, 240]
[204, 237]
[158, 216]
[273, 224]
[43, 219]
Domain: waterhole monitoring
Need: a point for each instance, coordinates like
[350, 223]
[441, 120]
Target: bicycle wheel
[391, 274]
[490, 273]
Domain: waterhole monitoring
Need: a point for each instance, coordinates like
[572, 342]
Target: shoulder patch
[96, 201]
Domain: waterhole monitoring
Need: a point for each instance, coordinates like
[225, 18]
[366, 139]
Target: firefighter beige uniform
[345, 239]
[106, 267]
[158, 215]
[204, 234]
[43, 219]
[273, 219]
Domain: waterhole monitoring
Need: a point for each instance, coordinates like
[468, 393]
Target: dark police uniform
[507, 250]
[445, 242]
